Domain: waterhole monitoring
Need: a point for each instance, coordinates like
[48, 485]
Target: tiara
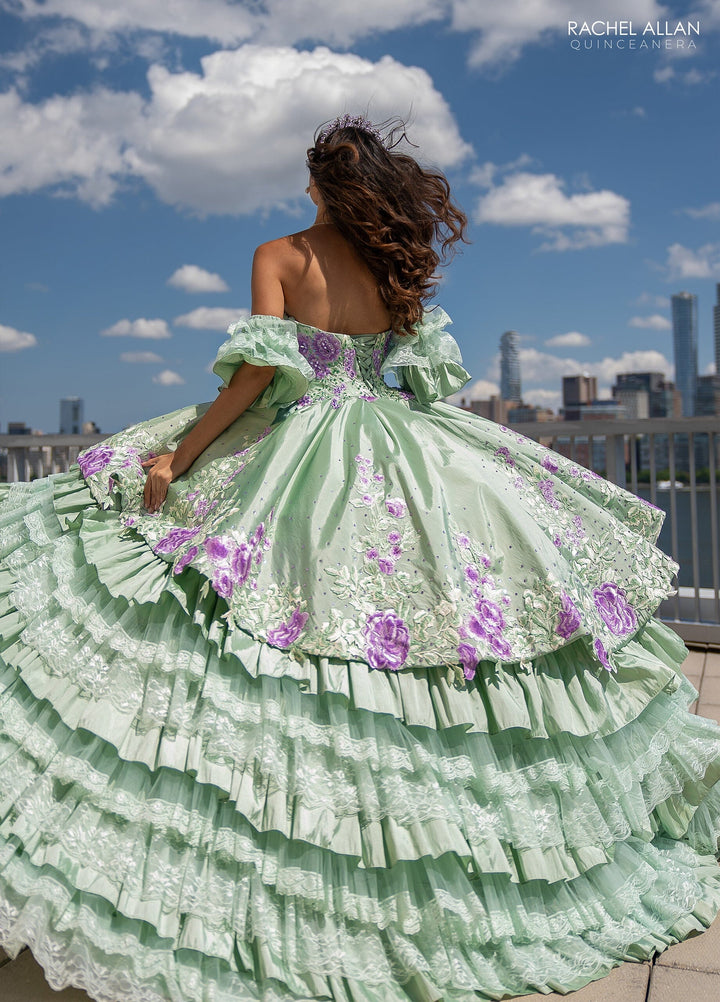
[350, 122]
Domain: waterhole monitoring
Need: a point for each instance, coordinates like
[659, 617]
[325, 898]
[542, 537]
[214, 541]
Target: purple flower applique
[94, 460]
[216, 548]
[386, 565]
[379, 477]
[388, 640]
[222, 583]
[396, 551]
[337, 392]
[367, 396]
[349, 363]
[287, 633]
[396, 507]
[377, 356]
[463, 540]
[549, 463]
[504, 453]
[368, 499]
[547, 490]
[557, 541]
[304, 401]
[303, 344]
[490, 615]
[394, 536]
[468, 660]
[175, 539]
[568, 618]
[472, 574]
[241, 563]
[202, 507]
[406, 394]
[326, 347]
[602, 655]
[372, 553]
[185, 559]
[500, 646]
[614, 609]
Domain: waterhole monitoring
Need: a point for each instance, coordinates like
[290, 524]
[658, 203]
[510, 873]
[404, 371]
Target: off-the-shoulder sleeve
[428, 363]
[263, 340]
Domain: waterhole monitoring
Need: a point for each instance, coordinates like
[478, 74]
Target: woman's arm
[245, 386]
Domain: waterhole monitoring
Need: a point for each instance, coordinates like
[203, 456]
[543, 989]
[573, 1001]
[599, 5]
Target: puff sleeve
[428, 363]
[264, 340]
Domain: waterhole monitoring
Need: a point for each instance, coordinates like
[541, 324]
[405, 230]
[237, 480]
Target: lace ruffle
[263, 340]
[429, 362]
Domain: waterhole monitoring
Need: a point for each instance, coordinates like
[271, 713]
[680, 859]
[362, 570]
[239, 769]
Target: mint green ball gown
[375, 709]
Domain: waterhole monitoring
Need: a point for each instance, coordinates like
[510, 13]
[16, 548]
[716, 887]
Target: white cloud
[152, 330]
[655, 322]
[506, 28]
[682, 262]
[140, 357]
[570, 222]
[543, 398]
[573, 339]
[651, 299]
[709, 211]
[481, 389]
[191, 278]
[168, 378]
[71, 144]
[709, 369]
[499, 32]
[218, 20]
[15, 340]
[342, 22]
[211, 318]
[230, 139]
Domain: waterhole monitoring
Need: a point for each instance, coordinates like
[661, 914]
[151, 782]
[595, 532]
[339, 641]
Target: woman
[331, 689]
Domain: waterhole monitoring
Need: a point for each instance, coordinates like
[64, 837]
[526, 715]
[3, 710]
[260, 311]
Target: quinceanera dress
[374, 710]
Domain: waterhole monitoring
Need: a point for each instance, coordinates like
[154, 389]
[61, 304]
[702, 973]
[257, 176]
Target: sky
[146, 149]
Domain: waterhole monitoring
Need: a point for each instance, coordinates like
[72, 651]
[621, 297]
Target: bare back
[324, 282]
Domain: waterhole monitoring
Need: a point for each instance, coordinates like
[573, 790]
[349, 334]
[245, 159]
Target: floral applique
[287, 633]
[230, 559]
[487, 629]
[388, 640]
[568, 620]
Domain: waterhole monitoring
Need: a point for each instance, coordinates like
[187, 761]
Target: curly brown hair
[398, 216]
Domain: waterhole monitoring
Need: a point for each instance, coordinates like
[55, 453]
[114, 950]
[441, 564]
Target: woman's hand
[162, 470]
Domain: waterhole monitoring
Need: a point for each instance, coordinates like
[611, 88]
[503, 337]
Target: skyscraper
[716, 329]
[71, 416]
[510, 366]
[684, 320]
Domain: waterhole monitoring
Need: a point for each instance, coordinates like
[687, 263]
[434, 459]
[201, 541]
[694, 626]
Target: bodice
[345, 365]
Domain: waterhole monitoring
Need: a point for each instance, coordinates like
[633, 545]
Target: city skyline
[144, 159]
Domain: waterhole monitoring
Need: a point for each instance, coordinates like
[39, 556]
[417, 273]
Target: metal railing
[630, 453]
[686, 452]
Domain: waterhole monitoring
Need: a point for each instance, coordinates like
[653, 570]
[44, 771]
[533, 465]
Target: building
[685, 325]
[529, 412]
[71, 416]
[635, 401]
[494, 409]
[663, 399]
[707, 400]
[578, 392]
[510, 388]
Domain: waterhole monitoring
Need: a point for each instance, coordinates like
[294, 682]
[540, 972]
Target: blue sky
[147, 148]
